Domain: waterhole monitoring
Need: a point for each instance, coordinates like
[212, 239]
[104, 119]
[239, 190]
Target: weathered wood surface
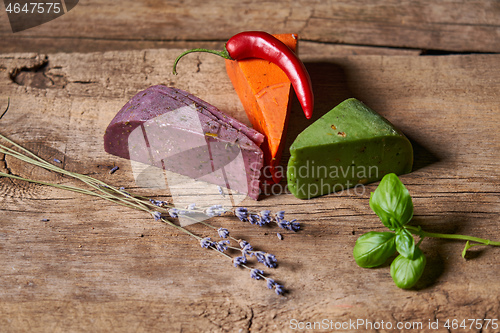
[97, 25]
[99, 267]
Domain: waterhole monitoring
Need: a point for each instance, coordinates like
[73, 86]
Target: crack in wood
[84, 81]
[250, 320]
[6, 109]
[38, 67]
[38, 75]
[5, 166]
[198, 65]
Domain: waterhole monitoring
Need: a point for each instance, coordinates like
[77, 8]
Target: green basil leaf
[373, 248]
[392, 202]
[405, 244]
[406, 272]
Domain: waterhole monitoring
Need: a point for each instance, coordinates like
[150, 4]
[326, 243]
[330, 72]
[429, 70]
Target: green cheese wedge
[349, 146]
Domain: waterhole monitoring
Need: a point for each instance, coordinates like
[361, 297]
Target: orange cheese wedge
[265, 92]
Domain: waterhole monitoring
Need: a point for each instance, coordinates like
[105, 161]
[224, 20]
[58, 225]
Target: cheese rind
[350, 145]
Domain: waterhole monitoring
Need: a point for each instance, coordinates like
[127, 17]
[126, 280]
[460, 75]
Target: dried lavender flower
[237, 261]
[215, 210]
[57, 161]
[158, 203]
[270, 260]
[254, 219]
[261, 222]
[280, 237]
[280, 215]
[241, 213]
[113, 170]
[289, 225]
[256, 274]
[221, 191]
[283, 224]
[223, 232]
[122, 189]
[206, 242]
[173, 212]
[246, 248]
[294, 226]
[221, 246]
[156, 215]
[265, 216]
[265, 258]
[185, 212]
[260, 256]
[278, 288]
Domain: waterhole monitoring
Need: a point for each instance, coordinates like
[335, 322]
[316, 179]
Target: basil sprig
[392, 202]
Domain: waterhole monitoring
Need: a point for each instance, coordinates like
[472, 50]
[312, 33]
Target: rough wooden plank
[102, 268]
[97, 25]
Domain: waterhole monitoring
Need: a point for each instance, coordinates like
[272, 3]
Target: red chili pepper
[258, 44]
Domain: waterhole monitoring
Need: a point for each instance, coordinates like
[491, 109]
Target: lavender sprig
[241, 261]
[267, 259]
[157, 207]
[264, 217]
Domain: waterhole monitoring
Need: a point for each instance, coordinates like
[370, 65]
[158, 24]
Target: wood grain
[98, 267]
[97, 25]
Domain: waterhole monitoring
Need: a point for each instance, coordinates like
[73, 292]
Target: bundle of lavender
[163, 212]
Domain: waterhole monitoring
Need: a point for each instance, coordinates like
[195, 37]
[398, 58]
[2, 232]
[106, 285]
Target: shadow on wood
[434, 247]
[422, 156]
[330, 88]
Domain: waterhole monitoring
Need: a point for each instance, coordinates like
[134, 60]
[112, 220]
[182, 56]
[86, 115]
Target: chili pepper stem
[224, 54]
[421, 233]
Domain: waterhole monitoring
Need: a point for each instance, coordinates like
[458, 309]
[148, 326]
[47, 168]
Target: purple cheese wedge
[174, 130]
